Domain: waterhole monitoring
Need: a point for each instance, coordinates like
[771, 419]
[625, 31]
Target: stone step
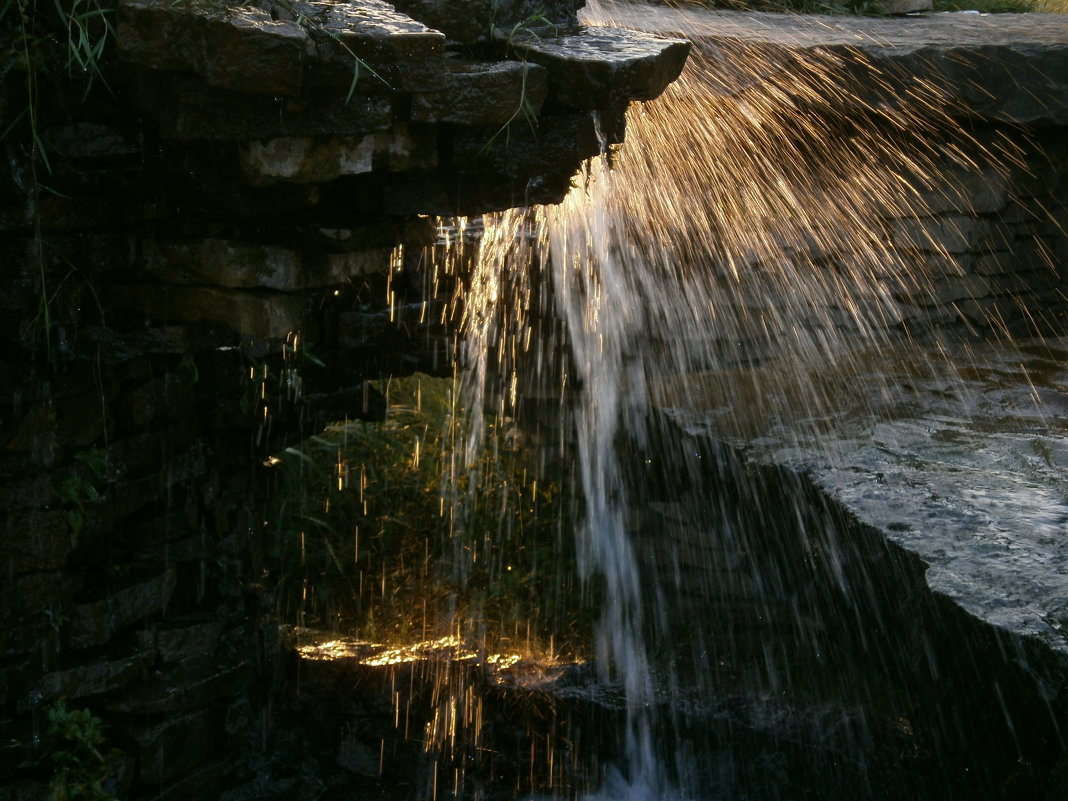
[589, 64]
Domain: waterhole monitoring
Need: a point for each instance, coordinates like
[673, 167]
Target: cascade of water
[598, 297]
[741, 225]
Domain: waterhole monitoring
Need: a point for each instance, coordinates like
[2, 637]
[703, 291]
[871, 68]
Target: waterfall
[733, 256]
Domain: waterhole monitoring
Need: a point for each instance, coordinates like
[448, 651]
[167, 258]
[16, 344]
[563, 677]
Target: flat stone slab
[242, 49]
[470, 21]
[243, 265]
[187, 108]
[964, 464]
[1007, 67]
[484, 94]
[246, 49]
[588, 65]
[392, 48]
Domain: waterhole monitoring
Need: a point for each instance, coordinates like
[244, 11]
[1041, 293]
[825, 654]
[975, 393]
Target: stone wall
[244, 175]
[987, 246]
[978, 241]
[210, 244]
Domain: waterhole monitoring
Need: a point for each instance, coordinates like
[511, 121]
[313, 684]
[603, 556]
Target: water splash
[748, 221]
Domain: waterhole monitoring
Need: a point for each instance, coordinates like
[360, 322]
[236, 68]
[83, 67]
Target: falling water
[742, 226]
[735, 259]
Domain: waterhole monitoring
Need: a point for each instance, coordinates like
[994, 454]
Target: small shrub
[81, 770]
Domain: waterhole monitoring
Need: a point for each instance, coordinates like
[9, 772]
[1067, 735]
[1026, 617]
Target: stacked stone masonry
[269, 169]
[235, 185]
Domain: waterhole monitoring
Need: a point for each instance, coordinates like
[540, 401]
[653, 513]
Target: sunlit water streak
[743, 223]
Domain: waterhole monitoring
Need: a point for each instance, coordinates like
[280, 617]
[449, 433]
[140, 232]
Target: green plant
[81, 769]
[82, 487]
[31, 42]
[88, 30]
[530, 27]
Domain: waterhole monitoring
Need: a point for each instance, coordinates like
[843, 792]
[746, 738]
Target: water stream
[741, 227]
[727, 279]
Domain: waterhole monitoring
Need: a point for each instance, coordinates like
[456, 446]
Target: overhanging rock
[345, 87]
[589, 64]
[299, 116]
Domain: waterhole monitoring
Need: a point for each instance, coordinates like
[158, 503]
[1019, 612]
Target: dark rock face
[228, 248]
[936, 508]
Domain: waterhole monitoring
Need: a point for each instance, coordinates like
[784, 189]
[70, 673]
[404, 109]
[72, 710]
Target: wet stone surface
[589, 64]
[965, 466]
[978, 62]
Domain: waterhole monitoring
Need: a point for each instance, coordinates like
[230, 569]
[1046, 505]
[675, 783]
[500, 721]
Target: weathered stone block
[414, 232]
[183, 687]
[239, 48]
[12, 678]
[371, 41]
[201, 783]
[951, 289]
[186, 108]
[1035, 254]
[36, 539]
[95, 679]
[178, 643]
[988, 77]
[87, 140]
[270, 315]
[30, 637]
[952, 233]
[357, 757]
[305, 160]
[46, 593]
[994, 262]
[95, 623]
[996, 312]
[142, 452]
[35, 432]
[175, 746]
[470, 21]
[1040, 284]
[134, 494]
[484, 94]
[156, 400]
[246, 265]
[81, 417]
[559, 144]
[968, 189]
[32, 491]
[891, 7]
[602, 67]
[26, 790]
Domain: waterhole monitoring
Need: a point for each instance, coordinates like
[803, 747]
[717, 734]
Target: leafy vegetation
[378, 530]
[82, 488]
[81, 771]
[44, 46]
